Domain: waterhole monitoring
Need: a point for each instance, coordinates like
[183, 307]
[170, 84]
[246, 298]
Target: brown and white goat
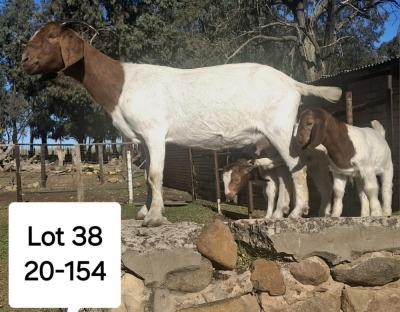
[359, 152]
[276, 180]
[155, 105]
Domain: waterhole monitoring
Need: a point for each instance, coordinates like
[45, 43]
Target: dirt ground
[61, 186]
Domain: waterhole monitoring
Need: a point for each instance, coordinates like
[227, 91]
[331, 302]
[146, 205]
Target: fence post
[78, 164]
[218, 188]
[101, 168]
[192, 175]
[250, 199]
[43, 176]
[129, 166]
[17, 158]
[349, 107]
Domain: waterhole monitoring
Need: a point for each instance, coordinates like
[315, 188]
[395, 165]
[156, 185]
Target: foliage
[391, 48]
[15, 28]
[305, 39]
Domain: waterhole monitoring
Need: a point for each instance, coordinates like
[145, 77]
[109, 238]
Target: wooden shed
[370, 92]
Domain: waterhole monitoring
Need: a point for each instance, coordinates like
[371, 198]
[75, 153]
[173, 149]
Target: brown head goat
[359, 152]
[273, 176]
[217, 107]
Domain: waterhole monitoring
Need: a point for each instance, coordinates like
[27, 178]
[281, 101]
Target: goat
[275, 181]
[214, 107]
[362, 153]
[275, 175]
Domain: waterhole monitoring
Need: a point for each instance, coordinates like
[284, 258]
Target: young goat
[274, 178]
[213, 108]
[359, 152]
[276, 181]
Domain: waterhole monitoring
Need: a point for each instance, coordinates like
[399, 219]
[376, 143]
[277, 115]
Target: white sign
[64, 255]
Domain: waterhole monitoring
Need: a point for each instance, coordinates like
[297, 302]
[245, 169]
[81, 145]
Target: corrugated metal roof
[346, 71]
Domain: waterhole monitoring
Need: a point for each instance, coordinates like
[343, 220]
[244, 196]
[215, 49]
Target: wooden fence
[13, 156]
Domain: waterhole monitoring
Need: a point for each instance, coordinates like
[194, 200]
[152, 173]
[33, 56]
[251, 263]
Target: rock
[216, 243]
[134, 295]
[374, 269]
[247, 303]
[266, 276]
[226, 284]
[321, 302]
[162, 301]
[191, 280]
[233, 285]
[310, 271]
[301, 297]
[336, 240]
[154, 266]
[167, 236]
[371, 300]
[273, 303]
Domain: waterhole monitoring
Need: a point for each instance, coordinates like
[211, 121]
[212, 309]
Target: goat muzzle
[231, 197]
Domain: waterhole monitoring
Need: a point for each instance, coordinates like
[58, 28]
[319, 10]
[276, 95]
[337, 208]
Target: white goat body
[215, 107]
[369, 156]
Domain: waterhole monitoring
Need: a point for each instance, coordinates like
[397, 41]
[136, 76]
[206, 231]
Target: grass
[200, 211]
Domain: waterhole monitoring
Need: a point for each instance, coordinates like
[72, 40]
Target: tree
[316, 32]
[16, 25]
[391, 48]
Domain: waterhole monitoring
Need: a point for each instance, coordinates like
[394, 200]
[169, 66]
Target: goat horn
[66, 23]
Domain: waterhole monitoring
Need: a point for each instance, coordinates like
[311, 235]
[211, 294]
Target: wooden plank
[79, 182]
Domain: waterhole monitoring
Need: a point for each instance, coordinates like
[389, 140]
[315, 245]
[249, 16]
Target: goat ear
[71, 48]
[317, 134]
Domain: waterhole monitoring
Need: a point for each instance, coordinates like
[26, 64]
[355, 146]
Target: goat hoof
[153, 222]
[277, 216]
[142, 213]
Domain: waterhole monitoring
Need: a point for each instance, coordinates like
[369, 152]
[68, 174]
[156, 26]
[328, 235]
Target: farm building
[370, 92]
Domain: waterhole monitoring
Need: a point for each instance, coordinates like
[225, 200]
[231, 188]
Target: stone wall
[316, 264]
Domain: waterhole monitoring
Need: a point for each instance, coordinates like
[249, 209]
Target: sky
[391, 28]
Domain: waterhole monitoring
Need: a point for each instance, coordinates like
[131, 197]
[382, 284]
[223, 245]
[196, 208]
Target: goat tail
[376, 125]
[331, 94]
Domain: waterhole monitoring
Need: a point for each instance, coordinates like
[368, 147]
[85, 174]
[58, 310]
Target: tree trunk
[309, 60]
[308, 49]
[31, 140]
[330, 37]
[43, 137]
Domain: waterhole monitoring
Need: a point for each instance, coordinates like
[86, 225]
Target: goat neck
[338, 143]
[102, 76]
